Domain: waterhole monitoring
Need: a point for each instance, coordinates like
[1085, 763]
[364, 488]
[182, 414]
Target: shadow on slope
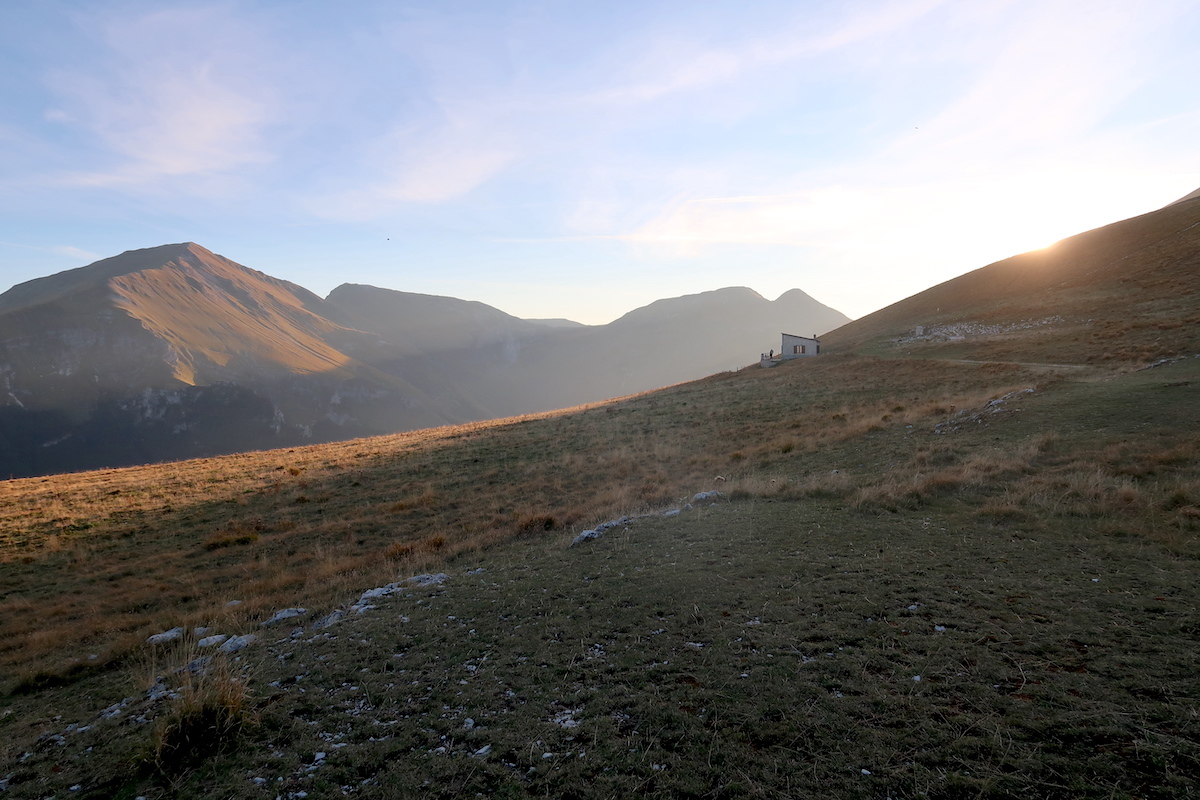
[952, 613]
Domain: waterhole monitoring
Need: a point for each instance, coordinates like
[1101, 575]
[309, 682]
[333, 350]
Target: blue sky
[581, 159]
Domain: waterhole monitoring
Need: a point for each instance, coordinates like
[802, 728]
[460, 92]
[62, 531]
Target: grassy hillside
[857, 487]
[120, 554]
[1124, 293]
[933, 571]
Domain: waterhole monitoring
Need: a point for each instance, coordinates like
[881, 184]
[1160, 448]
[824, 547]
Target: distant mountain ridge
[164, 352]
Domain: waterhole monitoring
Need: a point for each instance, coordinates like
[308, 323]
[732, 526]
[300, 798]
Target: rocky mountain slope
[174, 352]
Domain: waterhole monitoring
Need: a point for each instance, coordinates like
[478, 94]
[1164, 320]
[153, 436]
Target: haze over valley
[175, 352]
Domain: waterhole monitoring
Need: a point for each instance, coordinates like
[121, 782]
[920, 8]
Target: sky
[581, 159]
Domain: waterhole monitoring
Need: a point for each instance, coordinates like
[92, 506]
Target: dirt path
[1017, 363]
[1031, 364]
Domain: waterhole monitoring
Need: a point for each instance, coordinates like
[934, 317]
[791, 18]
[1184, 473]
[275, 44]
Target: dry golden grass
[108, 558]
[872, 486]
[1141, 488]
[209, 703]
[93, 563]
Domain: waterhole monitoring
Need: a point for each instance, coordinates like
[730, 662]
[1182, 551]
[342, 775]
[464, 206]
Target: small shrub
[207, 718]
[399, 549]
[426, 499]
[537, 524]
[230, 538]
[1128, 494]
[37, 680]
[1001, 511]
[433, 543]
[831, 485]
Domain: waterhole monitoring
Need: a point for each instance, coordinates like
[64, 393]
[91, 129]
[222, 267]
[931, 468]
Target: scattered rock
[114, 711]
[710, 495]
[159, 690]
[566, 718]
[585, 536]
[599, 530]
[212, 641]
[285, 613]
[957, 331]
[364, 604]
[1162, 362]
[166, 636]
[236, 643]
[965, 416]
[332, 618]
[428, 580]
[198, 666]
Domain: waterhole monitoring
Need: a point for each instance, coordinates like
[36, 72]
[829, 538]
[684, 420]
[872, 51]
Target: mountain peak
[94, 275]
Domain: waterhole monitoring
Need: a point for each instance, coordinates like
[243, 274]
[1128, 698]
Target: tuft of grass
[537, 523]
[208, 715]
[230, 538]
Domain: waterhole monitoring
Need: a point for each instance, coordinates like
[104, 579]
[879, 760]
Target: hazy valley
[174, 352]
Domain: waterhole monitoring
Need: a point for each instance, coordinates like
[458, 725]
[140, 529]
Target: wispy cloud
[479, 111]
[61, 250]
[675, 64]
[75, 252]
[169, 93]
[1023, 154]
[428, 164]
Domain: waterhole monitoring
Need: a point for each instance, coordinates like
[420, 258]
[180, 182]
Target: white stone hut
[793, 347]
